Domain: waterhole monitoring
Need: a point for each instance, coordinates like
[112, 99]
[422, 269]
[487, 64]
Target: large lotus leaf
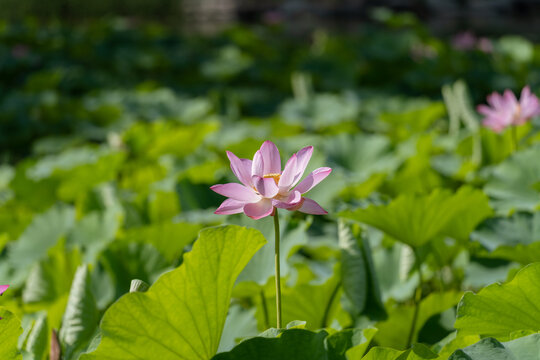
[417, 219]
[499, 310]
[515, 238]
[394, 331]
[10, 328]
[411, 219]
[300, 344]
[513, 185]
[524, 348]
[292, 344]
[417, 352]
[470, 207]
[182, 315]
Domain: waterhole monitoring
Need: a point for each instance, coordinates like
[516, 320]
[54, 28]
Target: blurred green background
[74, 67]
[115, 118]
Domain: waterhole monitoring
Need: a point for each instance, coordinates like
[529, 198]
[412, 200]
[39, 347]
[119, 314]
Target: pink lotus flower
[505, 110]
[265, 187]
[3, 288]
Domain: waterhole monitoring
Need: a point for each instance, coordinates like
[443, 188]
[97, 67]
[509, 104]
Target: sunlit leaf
[182, 315]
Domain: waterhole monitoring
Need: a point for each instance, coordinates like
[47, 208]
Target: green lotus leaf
[182, 315]
[418, 219]
[524, 348]
[500, 310]
[300, 344]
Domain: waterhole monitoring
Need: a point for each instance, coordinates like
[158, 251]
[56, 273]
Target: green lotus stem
[514, 138]
[417, 299]
[278, 283]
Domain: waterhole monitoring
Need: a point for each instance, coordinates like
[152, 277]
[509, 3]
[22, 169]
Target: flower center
[517, 112]
[276, 177]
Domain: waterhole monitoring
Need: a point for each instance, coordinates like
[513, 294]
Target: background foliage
[112, 134]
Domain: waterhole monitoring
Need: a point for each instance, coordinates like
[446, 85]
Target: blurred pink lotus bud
[464, 41]
[505, 110]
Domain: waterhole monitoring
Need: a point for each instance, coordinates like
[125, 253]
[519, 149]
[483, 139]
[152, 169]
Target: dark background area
[443, 17]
